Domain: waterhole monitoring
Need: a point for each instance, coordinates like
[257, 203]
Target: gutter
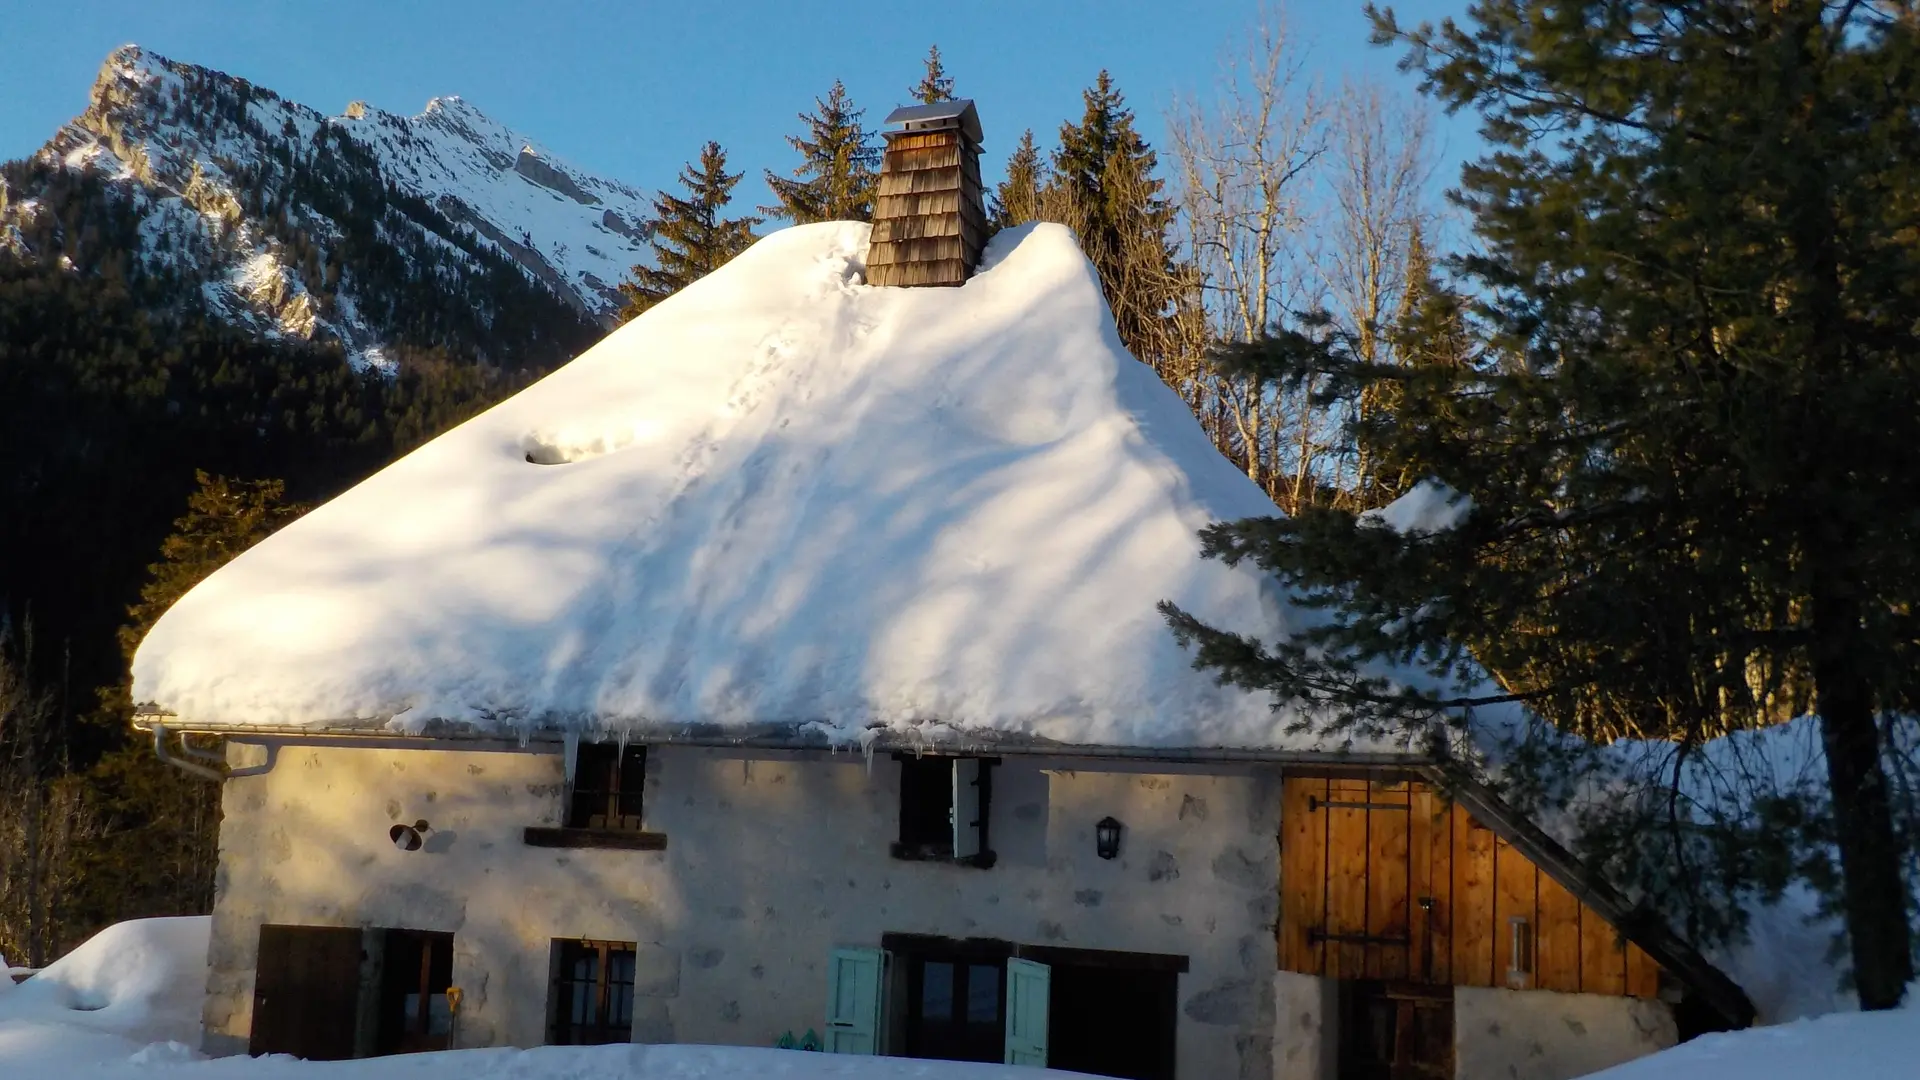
[552, 740]
[192, 763]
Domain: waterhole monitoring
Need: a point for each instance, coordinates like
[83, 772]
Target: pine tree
[836, 177]
[689, 237]
[936, 85]
[1017, 200]
[224, 518]
[1690, 431]
[1103, 186]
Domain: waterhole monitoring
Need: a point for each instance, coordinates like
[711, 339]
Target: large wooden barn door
[1387, 880]
[305, 992]
[1348, 880]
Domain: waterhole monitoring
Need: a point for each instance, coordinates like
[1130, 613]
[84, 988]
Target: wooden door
[415, 1013]
[1395, 1031]
[305, 992]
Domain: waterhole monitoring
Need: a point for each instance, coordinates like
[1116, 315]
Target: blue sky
[631, 90]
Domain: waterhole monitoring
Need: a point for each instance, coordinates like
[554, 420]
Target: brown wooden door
[1395, 1031]
[305, 992]
[415, 1014]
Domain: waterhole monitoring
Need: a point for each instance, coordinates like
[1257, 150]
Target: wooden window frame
[608, 790]
[561, 1030]
[918, 785]
[604, 804]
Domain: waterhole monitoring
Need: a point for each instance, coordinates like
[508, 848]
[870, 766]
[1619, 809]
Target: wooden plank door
[1390, 1030]
[306, 989]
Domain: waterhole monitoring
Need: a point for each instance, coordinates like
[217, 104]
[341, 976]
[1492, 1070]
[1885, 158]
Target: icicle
[869, 738]
[571, 751]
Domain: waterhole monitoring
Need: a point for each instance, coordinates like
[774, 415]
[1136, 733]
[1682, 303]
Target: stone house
[789, 664]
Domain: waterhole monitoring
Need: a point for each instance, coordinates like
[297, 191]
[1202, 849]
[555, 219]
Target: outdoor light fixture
[1106, 838]
[407, 837]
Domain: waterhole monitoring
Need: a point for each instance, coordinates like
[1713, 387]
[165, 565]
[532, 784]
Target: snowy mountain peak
[249, 191]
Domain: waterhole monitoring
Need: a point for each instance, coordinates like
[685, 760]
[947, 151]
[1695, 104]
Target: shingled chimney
[929, 218]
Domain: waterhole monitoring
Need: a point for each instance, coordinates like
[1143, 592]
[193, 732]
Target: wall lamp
[1106, 838]
[408, 837]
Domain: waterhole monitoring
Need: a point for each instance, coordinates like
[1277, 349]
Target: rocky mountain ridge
[368, 228]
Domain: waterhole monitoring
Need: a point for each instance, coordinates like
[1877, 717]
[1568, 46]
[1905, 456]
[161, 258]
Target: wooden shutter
[1029, 993]
[966, 807]
[306, 992]
[853, 1000]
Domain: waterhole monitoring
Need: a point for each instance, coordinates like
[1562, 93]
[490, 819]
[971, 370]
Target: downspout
[207, 772]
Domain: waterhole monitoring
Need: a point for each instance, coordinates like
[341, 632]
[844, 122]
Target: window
[607, 782]
[592, 999]
[943, 809]
[954, 1008]
[603, 803]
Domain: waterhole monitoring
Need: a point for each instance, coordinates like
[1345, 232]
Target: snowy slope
[574, 231]
[782, 497]
[211, 161]
[1850, 1045]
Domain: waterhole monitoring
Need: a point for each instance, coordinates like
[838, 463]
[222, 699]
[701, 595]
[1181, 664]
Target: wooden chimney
[929, 216]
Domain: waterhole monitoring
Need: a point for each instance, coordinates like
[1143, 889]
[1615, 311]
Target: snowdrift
[141, 979]
[133, 984]
[1858, 1046]
[782, 498]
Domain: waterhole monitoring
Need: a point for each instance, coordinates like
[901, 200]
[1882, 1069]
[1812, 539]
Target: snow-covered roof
[780, 498]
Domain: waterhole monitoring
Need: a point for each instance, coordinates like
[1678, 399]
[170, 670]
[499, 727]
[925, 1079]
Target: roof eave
[776, 737]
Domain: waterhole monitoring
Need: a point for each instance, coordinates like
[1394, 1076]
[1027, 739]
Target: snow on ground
[125, 1005]
[133, 984]
[1849, 1045]
[780, 498]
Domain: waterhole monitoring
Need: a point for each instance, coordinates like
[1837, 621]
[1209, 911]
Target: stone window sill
[624, 839]
[939, 854]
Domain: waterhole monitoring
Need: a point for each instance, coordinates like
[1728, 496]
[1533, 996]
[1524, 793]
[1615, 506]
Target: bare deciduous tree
[1379, 167]
[1244, 160]
[41, 819]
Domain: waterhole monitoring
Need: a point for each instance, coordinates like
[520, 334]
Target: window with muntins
[607, 787]
[593, 993]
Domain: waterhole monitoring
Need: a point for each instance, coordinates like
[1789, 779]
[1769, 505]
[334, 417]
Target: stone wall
[771, 862]
[1304, 1037]
[1542, 1035]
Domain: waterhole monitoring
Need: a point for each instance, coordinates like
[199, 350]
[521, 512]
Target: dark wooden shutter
[305, 992]
[631, 789]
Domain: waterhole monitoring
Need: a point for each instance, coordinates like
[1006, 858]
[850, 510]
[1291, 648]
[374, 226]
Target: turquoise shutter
[853, 1000]
[1029, 988]
[966, 807]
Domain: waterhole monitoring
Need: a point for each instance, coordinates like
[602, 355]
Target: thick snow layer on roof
[782, 497]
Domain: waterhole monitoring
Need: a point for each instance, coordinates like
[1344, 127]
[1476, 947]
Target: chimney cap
[958, 113]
